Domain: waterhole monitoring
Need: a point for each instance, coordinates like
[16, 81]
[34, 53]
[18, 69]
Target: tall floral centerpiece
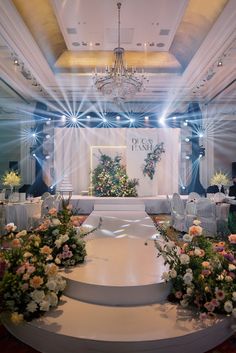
[11, 179]
[151, 160]
[220, 179]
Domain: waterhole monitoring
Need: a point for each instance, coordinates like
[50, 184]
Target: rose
[52, 211]
[184, 259]
[38, 295]
[16, 243]
[36, 282]
[32, 306]
[188, 277]
[44, 305]
[51, 269]
[56, 222]
[46, 250]
[10, 227]
[232, 238]
[228, 306]
[195, 230]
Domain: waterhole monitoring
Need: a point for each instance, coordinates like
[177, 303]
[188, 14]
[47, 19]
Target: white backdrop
[77, 153]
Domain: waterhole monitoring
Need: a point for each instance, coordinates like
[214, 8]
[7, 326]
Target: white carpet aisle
[115, 301]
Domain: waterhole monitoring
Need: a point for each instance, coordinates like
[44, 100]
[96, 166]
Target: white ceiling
[95, 21]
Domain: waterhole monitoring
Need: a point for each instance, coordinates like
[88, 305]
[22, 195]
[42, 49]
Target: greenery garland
[152, 159]
[109, 178]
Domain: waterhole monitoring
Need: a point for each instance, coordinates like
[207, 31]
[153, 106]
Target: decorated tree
[110, 179]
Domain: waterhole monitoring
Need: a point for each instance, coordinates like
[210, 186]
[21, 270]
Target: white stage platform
[153, 205]
[115, 302]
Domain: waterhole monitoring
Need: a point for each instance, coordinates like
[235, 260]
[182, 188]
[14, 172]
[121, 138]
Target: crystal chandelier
[119, 82]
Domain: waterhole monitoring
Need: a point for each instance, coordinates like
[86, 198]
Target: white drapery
[77, 152]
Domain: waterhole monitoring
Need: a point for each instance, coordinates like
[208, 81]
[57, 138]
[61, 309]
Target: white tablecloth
[222, 210]
[22, 214]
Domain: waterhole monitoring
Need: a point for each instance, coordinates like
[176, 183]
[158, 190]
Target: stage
[153, 205]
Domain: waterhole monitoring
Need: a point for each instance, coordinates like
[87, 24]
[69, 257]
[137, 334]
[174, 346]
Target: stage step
[77, 327]
[119, 206]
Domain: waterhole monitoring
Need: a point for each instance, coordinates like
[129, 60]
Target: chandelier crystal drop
[119, 82]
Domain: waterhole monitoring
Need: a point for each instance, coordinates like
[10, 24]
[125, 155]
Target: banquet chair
[48, 203]
[2, 219]
[206, 213]
[177, 213]
[45, 195]
[193, 196]
[219, 197]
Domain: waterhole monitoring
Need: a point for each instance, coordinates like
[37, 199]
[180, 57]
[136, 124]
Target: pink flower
[16, 243]
[178, 294]
[209, 306]
[206, 273]
[203, 316]
[220, 294]
[232, 238]
[215, 302]
[20, 270]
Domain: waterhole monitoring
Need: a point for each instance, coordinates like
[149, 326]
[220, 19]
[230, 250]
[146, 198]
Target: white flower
[184, 259]
[64, 238]
[165, 276]
[189, 270]
[232, 267]
[52, 298]
[196, 222]
[58, 243]
[32, 306]
[234, 296]
[61, 283]
[189, 291]
[228, 279]
[234, 313]
[51, 284]
[188, 277]
[56, 222]
[187, 238]
[197, 251]
[38, 295]
[220, 277]
[184, 303]
[173, 273]
[170, 245]
[44, 305]
[11, 226]
[228, 306]
[57, 261]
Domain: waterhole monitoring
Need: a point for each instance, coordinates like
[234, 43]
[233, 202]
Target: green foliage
[109, 178]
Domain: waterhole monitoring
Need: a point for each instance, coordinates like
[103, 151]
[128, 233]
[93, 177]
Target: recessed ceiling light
[118, 117]
[146, 118]
[88, 116]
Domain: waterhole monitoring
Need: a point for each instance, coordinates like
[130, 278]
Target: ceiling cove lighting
[119, 81]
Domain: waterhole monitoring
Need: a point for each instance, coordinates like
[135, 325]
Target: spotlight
[183, 187]
[47, 156]
[73, 119]
[16, 62]
[146, 118]
[104, 120]
[63, 118]
[200, 134]
[187, 157]
[132, 120]
[118, 117]
[162, 120]
[185, 123]
[220, 63]
[88, 117]
[173, 117]
[187, 139]
[34, 155]
[47, 136]
[33, 134]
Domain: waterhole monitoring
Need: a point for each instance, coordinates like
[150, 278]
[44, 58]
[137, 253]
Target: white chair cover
[206, 213]
[47, 204]
[177, 213]
[193, 196]
[219, 197]
[45, 195]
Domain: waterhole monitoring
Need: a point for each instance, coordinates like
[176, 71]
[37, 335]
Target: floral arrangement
[202, 271]
[29, 285]
[29, 261]
[152, 159]
[61, 237]
[109, 178]
[11, 179]
[220, 178]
